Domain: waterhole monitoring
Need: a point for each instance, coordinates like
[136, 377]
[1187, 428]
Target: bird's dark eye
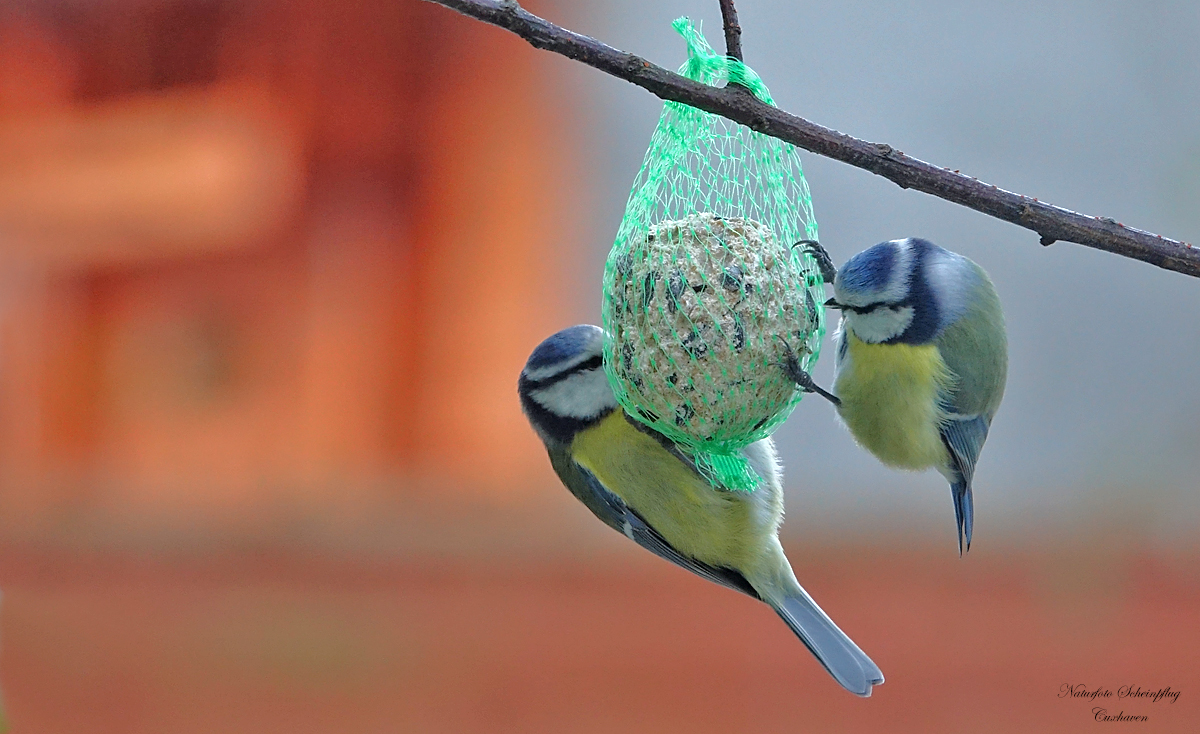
[869, 308]
[589, 364]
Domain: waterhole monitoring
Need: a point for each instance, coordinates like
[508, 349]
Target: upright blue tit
[922, 359]
[640, 484]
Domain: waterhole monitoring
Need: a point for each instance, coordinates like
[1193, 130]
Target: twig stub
[733, 31]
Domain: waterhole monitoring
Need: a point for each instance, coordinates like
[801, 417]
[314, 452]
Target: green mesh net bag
[704, 292]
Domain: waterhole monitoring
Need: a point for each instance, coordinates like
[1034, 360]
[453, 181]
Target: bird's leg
[824, 262]
[803, 380]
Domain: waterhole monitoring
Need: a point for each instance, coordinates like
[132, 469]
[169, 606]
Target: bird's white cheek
[579, 396]
[879, 325]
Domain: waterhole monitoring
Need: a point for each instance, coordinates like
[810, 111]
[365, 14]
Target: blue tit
[642, 485]
[921, 361]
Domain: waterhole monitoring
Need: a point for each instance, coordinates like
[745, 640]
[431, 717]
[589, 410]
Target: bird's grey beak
[832, 303]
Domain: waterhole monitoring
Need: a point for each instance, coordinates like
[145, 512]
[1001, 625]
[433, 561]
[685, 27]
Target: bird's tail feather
[849, 665]
[964, 511]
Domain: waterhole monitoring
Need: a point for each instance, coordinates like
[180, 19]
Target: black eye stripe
[870, 307]
[588, 364]
[873, 307]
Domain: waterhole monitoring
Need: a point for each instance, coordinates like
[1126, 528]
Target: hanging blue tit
[642, 485]
[921, 360]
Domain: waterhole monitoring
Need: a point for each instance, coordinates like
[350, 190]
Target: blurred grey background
[1087, 105]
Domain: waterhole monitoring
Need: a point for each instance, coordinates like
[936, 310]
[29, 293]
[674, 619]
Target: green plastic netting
[703, 287]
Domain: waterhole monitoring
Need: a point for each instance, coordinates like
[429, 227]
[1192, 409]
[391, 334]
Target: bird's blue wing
[611, 509]
[964, 437]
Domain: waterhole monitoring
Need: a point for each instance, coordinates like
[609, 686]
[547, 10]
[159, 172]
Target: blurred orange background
[268, 272]
[247, 248]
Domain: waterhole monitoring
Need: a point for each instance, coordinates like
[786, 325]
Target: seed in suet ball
[711, 297]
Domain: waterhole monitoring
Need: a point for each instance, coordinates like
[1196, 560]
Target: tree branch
[1051, 222]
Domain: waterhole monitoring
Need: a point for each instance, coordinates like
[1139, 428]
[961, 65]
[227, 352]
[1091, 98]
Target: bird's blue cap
[869, 270]
[564, 346]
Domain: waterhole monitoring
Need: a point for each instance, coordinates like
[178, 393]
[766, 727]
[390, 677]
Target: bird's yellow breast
[890, 401]
[706, 523]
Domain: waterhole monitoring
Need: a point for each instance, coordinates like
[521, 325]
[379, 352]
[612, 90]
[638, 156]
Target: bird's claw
[804, 381]
[821, 255]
